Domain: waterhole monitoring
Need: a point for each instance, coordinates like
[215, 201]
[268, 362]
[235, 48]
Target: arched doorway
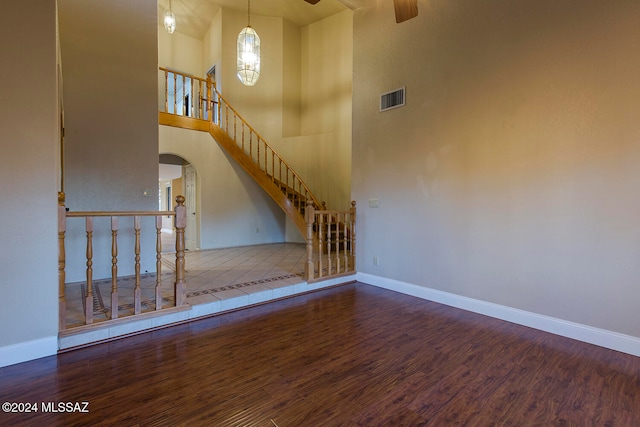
[178, 177]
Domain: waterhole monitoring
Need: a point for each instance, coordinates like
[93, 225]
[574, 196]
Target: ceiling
[193, 17]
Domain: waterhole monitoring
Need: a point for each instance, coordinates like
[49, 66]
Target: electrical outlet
[374, 203]
[376, 260]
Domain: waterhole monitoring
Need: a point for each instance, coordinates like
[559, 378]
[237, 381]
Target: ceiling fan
[405, 9]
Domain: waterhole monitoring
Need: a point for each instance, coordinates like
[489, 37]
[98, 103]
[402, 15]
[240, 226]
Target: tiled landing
[217, 280]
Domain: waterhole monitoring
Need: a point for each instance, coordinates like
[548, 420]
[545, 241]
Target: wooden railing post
[114, 267]
[137, 292]
[62, 229]
[309, 218]
[209, 100]
[166, 91]
[353, 235]
[180, 225]
[158, 262]
[88, 306]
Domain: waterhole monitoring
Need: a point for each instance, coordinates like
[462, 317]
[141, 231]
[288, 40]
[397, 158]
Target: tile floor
[217, 280]
[211, 275]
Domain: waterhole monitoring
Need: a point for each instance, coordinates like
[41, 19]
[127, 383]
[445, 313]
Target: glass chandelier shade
[169, 20]
[248, 56]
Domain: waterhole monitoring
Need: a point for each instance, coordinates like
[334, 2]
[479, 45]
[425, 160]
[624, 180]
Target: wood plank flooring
[354, 355]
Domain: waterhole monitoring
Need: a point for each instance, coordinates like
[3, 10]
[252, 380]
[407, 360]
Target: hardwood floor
[354, 355]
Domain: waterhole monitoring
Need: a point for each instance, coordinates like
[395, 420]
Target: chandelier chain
[248, 13]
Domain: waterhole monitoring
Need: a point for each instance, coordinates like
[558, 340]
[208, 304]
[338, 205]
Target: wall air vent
[393, 99]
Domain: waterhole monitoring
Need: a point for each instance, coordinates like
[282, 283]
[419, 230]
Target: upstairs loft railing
[179, 288]
[192, 101]
[186, 95]
[262, 154]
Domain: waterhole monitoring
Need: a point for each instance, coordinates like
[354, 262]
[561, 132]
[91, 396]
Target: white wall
[29, 184]
[212, 48]
[302, 102]
[322, 151]
[110, 59]
[180, 52]
[261, 105]
[233, 209]
[511, 175]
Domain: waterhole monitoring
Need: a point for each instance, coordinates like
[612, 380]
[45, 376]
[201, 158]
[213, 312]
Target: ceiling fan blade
[405, 9]
[312, 1]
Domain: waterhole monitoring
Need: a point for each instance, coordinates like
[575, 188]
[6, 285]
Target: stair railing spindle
[251, 144]
[266, 165]
[200, 112]
[88, 307]
[166, 91]
[329, 241]
[226, 118]
[258, 152]
[242, 145]
[273, 165]
[192, 91]
[310, 218]
[175, 93]
[184, 96]
[114, 267]
[337, 241]
[158, 262]
[345, 240]
[62, 229]
[137, 292]
[321, 235]
[352, 236]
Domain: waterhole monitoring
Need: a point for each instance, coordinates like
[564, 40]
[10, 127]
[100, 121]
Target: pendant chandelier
[169, 20]
[248, 53]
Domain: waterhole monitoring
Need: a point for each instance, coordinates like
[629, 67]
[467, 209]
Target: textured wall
[233, 209]
[511, 175]
[29, 184]
[110, 60]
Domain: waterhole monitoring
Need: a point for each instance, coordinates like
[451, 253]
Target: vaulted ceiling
[193, 17]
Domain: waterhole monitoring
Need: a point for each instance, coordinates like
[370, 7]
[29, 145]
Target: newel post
[180, 225]
[309, 214]
[62, 228]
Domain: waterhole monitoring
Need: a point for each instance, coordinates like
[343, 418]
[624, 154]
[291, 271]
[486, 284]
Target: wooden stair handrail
[189, 121]
[258, 175]
[266, 167]
[267, 146]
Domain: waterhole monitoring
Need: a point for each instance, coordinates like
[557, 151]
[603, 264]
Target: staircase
[291, 200]
[246, 146]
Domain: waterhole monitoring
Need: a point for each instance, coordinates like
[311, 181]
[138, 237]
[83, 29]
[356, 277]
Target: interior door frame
[192, 234]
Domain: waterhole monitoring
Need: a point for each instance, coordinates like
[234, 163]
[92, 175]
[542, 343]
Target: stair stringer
[273, 190]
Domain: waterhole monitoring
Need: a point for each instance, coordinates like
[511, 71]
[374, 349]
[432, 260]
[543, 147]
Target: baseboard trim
[30, 350]
[600, 337]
